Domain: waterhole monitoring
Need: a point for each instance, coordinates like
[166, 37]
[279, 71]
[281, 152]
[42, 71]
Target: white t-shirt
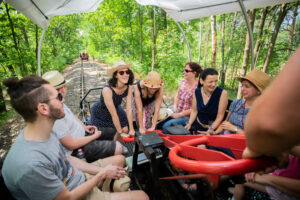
[68, 125]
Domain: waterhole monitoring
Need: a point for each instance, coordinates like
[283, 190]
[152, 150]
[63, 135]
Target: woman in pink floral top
[184, 96]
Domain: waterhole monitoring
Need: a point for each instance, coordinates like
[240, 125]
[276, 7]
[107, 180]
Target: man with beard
[71, 131]
[36, 166]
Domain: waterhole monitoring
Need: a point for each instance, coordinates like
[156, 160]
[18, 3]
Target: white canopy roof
[181, 10]
[41, 11]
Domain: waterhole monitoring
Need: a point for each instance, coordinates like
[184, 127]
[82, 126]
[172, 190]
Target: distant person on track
[272, 125]
[209, 104]
[73, 134]
[148, 96]
[107, 112]
[184, 96]
[37, 167]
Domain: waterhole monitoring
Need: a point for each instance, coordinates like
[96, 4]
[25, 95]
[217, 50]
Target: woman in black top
[148, 96]
[107, 112]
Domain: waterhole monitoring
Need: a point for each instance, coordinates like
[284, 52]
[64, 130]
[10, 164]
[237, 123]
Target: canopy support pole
[39, 51]
[249, 31]
[186, 41]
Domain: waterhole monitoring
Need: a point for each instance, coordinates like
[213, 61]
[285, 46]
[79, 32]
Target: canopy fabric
[41, 11]
[181, 10]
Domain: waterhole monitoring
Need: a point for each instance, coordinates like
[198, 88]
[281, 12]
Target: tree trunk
[36, 41]
[214, 41]
[206, 47]
[141, 32]
[246, 50]
[23, 68]
[259, 34]
[274, 9]
[223, 73]
[25, 36]
[282, 14]
[200, 42]
[2, 102]
[154, 36]
[229, 49]
[293, 28]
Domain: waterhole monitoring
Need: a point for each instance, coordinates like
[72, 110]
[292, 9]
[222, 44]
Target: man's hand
[91, 129]
[114, 172]
[98, 134]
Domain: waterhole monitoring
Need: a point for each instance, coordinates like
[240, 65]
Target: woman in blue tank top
[209, 104]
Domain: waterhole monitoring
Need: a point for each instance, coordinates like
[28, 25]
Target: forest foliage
[148, 38]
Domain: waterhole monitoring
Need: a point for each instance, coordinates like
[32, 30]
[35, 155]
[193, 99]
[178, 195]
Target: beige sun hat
[153, 80]
[120, 185]
[258, 78]
[55, 79]
[116, 66]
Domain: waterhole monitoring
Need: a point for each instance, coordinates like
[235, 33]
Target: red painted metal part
[130, 139]
[189, 157]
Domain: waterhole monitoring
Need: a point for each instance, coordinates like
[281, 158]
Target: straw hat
[164, 113]
[55, 79]
[153, 80]
[120, 185]
[258, 78]
[116, 66]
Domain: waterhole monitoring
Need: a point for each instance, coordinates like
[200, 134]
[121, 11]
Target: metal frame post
[39, 51]
[186, 41]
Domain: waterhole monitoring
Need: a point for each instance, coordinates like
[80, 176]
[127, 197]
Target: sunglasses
[59, 97]
[123, 72]
[187, 71]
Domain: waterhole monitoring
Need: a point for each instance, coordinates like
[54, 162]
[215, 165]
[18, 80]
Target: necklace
[203, 92]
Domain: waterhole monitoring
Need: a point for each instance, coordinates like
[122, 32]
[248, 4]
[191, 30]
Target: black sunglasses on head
[187, 71]
[122, 72]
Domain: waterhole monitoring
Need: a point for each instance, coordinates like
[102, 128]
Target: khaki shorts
[96, 193]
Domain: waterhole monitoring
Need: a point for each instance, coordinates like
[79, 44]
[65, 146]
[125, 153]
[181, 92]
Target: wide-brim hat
[258, 78]
[164, 113]
[153, 80]
[55, 79]
[116, 66]
[113, 185]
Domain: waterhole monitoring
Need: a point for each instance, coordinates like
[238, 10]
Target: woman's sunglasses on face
[123, 72]
[187, 71]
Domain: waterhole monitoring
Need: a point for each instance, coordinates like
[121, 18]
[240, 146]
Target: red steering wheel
[189, 157]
